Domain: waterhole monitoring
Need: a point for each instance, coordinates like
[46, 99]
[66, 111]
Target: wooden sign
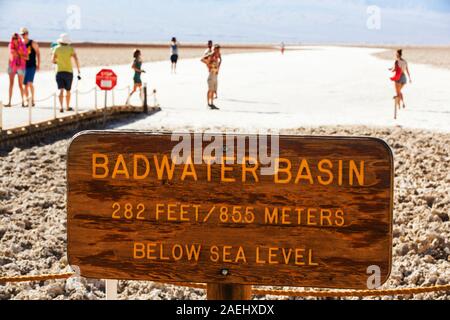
[316, 212]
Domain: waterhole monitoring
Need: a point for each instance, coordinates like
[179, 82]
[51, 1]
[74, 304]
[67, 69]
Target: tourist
[401, 70]
[208, 51]
[16, 65]
[209, 48]
[137, 67]
[62, 56]
[174, 54]
[32, 65]
[212, 61]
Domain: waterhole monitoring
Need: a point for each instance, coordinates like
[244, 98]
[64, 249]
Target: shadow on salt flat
[250, 101]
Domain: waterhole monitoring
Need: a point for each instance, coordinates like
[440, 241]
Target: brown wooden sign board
[320, 220]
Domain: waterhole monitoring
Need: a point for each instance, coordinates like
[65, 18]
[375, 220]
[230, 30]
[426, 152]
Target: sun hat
[23, 30]
[64, 39]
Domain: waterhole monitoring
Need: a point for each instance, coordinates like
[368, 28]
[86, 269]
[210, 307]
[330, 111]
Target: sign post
[106, 80]
[219, 291]
[231, 211]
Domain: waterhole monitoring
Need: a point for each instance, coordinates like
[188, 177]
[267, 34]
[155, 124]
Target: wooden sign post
[219, 291]
[300, 211]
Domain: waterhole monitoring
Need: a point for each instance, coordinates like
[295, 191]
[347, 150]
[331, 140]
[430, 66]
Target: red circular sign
[106, 79]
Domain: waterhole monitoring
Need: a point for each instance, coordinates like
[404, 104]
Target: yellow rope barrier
[290, 293]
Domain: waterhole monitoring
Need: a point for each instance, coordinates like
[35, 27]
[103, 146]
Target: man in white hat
[62, 56]
[33, 64]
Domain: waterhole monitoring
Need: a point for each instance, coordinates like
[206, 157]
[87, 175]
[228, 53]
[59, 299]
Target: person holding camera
[62, 56]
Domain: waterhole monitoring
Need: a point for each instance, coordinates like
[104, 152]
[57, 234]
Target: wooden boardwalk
[18, 123]
[13, 136]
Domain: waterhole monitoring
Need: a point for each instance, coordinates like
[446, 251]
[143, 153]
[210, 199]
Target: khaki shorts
[212, 82]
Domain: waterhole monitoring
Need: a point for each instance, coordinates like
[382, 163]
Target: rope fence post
[155, 101]
[111, 289]
[76, 101]
[54, 106]
[127, 102]
[29, 112]
[95, 97]
[145, 106]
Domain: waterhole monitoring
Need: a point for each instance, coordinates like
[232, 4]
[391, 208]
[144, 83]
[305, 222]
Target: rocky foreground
[33, 220]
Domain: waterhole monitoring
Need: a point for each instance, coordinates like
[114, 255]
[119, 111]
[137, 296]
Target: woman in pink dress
[16, 65]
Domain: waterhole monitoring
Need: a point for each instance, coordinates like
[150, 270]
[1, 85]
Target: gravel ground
[33, 219]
